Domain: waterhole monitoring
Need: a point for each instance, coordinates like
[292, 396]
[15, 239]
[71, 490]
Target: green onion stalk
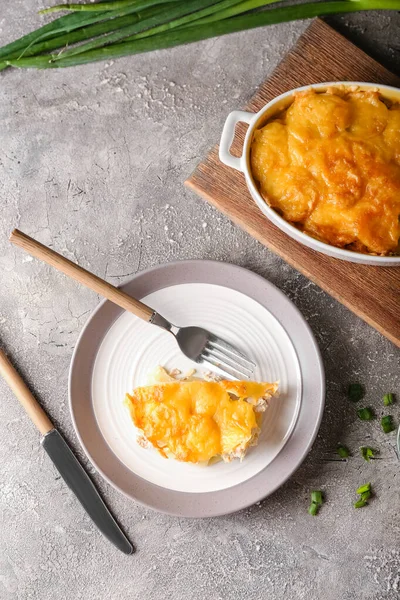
[180, 13]
[69, 23]
[112, 29]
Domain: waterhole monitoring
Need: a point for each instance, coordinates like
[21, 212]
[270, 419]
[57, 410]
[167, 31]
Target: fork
[198, 344]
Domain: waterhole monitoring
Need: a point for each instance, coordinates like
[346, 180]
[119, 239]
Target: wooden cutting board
[321, 54]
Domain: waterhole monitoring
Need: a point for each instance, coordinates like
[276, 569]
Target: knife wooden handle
[76, 272]
[20, 389]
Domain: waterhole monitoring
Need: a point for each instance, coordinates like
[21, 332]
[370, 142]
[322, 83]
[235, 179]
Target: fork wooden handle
[76, 272]
[24, 395]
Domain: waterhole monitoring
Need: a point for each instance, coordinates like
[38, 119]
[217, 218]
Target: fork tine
[222, 356]
[226, 365]
[217, 341]
[222, 369]
[238, 360]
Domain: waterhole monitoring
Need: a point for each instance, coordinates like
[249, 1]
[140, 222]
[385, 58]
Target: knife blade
[80, 483]
[64, 460]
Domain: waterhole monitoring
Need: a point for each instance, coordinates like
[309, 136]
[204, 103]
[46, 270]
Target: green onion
[185, 34]
[69, 23]
[364, 488]
[83, 33]
[343, 451]
[365, 494]
[244, 6]
[355, 392]
[367, 453]
[221, 27]
[317, 497]
[388, 399]
[178, 14]
[387, 424]
[366, 414]
[103, 6]
[94, 30]
[193, 19]
[61, 25]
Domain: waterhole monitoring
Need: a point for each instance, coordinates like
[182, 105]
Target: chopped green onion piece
[387, 424]
[366, 414]
[364, 488]
[343, 451]
[367, 453]
[317, 497]
[365, 496]
[388, 399]
[355, 392]
[365, 493]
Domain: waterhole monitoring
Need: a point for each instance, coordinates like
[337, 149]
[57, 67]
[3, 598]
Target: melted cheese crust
[330, 164]
[194, 421]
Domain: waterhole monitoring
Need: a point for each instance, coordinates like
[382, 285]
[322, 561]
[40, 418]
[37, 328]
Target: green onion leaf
[222, 10]
[101, 6]
[68, 23]
[355, 392]
[360, 503]
[62, 24]
[387, 424]
[388, 399]
[366, 414]
[178, 14]
[364, 488]
[343, 451]
[313, 509]
[367, 453]
[317, 497]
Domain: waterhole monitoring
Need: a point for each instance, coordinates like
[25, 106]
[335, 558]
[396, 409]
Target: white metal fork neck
[157, 319]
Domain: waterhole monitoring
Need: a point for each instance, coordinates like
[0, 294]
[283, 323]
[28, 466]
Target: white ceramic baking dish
[257, 120]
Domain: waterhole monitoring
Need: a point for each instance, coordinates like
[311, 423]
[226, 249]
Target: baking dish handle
[228, 133]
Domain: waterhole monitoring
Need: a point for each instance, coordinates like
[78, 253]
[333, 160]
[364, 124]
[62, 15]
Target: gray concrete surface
[92, 161]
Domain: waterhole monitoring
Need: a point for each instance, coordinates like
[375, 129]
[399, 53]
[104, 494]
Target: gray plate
[207, 504]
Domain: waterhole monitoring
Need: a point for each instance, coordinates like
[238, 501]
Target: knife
[65, 461]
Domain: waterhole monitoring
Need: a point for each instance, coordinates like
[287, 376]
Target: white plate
[116, 351]
[132, 348]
